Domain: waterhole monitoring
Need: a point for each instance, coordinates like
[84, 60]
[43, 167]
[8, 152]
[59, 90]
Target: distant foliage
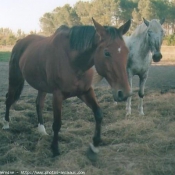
[110, 12]
[106, 12]
[170, 40]
[9, 38]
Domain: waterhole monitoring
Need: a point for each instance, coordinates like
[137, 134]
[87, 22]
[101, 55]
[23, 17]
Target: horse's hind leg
[9, 101]
[16, 83]
[39, 106]
[90, 100]
[143, 79]
[14, 91]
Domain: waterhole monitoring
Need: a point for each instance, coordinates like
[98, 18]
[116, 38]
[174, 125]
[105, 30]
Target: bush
[170, 40]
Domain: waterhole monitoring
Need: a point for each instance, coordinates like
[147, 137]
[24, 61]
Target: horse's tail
[16, 80]
[96, 77]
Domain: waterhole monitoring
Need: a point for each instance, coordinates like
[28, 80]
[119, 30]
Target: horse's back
[23, 44]
[28, 54]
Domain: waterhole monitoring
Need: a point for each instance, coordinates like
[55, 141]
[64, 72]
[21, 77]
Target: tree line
[110, 12]
[8, 37]
[106, 12]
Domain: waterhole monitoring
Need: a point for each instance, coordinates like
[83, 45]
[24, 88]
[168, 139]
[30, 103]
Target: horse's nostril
[157, 57]
[120, 95]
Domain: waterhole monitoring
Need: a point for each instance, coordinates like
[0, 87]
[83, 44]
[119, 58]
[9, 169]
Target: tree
[161, 8]
[109, 12]
[65, 15]
[136, 16]
[47, 23]
[83, 11]
[11, 39]
[104, 11]
[146, 9]
[127, 7]
[171, 15]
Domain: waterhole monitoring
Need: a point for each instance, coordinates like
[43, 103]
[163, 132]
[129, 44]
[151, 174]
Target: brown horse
[61, 65]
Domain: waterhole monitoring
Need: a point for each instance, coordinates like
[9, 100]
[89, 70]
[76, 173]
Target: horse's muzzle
[119, 96]
[157, 57]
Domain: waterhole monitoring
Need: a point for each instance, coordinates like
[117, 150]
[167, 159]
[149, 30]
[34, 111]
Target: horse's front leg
[128, 103]
[57, 104]
[143, 79]
[90, 100]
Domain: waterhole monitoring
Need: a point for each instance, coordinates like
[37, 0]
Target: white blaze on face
[119, 49]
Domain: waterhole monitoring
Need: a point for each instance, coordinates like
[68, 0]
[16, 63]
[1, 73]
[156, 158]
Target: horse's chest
[138, 65]
[77, 87]
[77, 84]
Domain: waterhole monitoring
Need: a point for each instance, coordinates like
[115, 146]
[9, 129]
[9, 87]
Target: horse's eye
[107, 54]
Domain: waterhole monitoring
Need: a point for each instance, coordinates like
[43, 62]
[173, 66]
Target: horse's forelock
[113, 32]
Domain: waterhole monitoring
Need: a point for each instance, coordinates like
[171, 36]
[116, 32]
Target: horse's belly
[40, 85]
[37, 80]
[35, 76]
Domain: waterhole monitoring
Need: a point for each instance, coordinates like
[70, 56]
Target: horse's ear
[146, 22]
[162, 21]
[99, 29]
[125, 27]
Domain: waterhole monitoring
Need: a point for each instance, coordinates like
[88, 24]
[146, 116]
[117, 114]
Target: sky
[25, 14]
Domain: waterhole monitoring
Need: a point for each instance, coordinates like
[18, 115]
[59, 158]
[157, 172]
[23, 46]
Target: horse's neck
[141, 44]
[84, 60]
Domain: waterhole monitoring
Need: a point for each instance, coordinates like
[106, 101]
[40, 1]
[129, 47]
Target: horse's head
[155, 34]
[111, 58]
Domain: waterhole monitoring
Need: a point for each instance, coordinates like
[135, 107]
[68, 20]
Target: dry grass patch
[132, 145]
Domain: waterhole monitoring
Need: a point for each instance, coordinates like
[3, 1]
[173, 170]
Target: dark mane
[61, 28]
[83, 37]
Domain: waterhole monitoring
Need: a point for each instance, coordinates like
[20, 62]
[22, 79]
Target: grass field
[132, 145]
[168, 53]
[5, 56]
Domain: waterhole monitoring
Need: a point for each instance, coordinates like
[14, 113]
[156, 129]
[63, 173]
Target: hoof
[128, 114]
[55, 154]
[5, 124]
[141, 114]
[42, 130]
[55, 151]
[94, 149]
[115, 103]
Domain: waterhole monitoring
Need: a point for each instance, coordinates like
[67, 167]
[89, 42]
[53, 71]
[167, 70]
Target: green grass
[4, 56]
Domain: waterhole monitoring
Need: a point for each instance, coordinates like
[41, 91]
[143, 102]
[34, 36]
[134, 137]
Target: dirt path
[160, 77]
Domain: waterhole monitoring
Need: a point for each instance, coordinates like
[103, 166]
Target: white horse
[144, 46]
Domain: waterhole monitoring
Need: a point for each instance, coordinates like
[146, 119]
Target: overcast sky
[25, 14]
